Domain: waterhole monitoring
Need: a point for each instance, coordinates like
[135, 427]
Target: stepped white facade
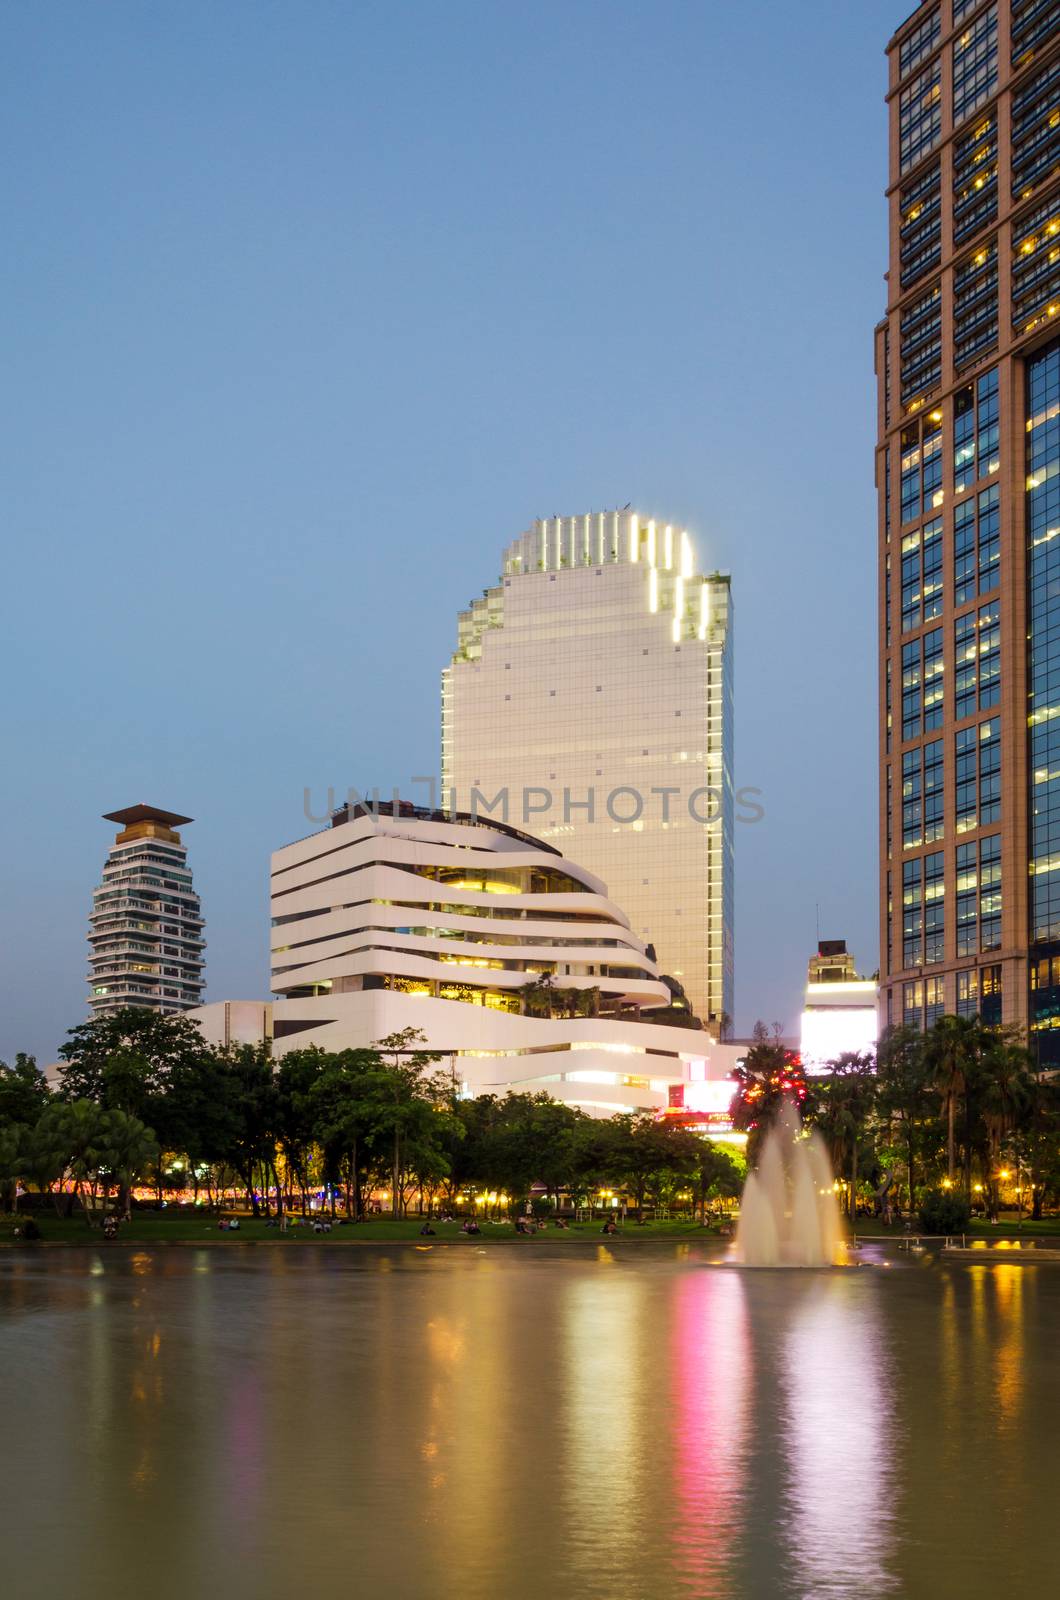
[402, 918]
[146, 927]
[591, 688]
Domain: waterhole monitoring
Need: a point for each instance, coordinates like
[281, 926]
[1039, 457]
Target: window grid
[918, 45]
[920, 233]
[921, 344]
[1033, 22]
[975, 320]
[1036, 131]
[919, 115]
[1036, 266]
[975, 65]
[975, 179]
[976, 560]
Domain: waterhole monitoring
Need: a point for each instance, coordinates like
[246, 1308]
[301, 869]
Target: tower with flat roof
[968, 469]
[591, 687]
[146, 928]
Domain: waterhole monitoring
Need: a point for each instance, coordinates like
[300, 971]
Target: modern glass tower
[968, 469]
[592, 686]
[145, 930]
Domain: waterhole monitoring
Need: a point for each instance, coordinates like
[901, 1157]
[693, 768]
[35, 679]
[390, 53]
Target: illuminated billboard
[829, 1031]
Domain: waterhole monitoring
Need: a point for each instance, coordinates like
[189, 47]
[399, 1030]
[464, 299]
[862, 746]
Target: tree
[846, 1098]
[125, 1149]
[1004, 1096]
[402, 1095]
[12, 1136]
[645, 1155]
[719, 1174]
[41, 1155]
[904, 1092]
[23, 1092]
[123, 1061]
[952, 1050]
[202, 1113]
[73, 1130]
[345, 1101]
[296, 1112]
[538, 996]
[769, 1075]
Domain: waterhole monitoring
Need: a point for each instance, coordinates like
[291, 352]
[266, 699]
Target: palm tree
[952, 1051]
[126, 1148]
[849, 1093]
[539, 995]
[41, 1157]
[904, 1079]
[1005, 1093]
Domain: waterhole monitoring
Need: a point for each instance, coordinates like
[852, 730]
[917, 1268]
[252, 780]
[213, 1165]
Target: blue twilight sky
[309, 308]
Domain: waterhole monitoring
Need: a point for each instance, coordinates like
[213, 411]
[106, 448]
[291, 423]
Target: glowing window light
[600, 539]
[651, 543]
[634, 539]
[686, 554]
[668, 547]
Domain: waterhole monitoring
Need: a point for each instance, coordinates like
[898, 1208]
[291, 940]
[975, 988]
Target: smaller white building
[839, 1014]
[232, 1022]
[509, 959]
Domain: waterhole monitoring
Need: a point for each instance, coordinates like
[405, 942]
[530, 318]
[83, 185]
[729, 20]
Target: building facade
[399, 917]
[146, 928]
[591, 689]
[968, 471]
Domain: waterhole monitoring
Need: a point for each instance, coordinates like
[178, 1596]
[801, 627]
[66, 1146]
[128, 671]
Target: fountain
[789, 1215]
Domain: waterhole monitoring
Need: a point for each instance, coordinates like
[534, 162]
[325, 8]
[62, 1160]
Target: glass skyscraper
[968, 469]
[591, 689]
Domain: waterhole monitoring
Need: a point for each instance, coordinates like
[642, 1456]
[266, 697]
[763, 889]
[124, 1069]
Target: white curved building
[422, 920]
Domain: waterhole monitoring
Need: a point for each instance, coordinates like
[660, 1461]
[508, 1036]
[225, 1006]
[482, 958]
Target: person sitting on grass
[427, 1232]
[610, 1226]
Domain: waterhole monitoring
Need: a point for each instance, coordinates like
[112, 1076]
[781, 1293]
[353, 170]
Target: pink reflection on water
[837, 1438]
[710, 1370]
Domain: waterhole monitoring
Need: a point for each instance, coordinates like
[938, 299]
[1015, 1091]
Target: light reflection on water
[622, 1423]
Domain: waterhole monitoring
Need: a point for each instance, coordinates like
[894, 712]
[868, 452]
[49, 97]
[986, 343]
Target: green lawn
[185, 1228]
[1007, 1228]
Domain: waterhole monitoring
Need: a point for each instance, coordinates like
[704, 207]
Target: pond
[524, 1420]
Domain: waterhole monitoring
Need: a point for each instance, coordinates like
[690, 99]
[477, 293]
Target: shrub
[944, 1211]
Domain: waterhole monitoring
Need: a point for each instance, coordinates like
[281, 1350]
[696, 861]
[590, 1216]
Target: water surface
[519, 1422]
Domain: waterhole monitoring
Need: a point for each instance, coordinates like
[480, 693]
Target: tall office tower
[146, 926]
[593, 684]
[968, 468]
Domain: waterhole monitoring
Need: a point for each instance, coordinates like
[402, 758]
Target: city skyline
[226, 407]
